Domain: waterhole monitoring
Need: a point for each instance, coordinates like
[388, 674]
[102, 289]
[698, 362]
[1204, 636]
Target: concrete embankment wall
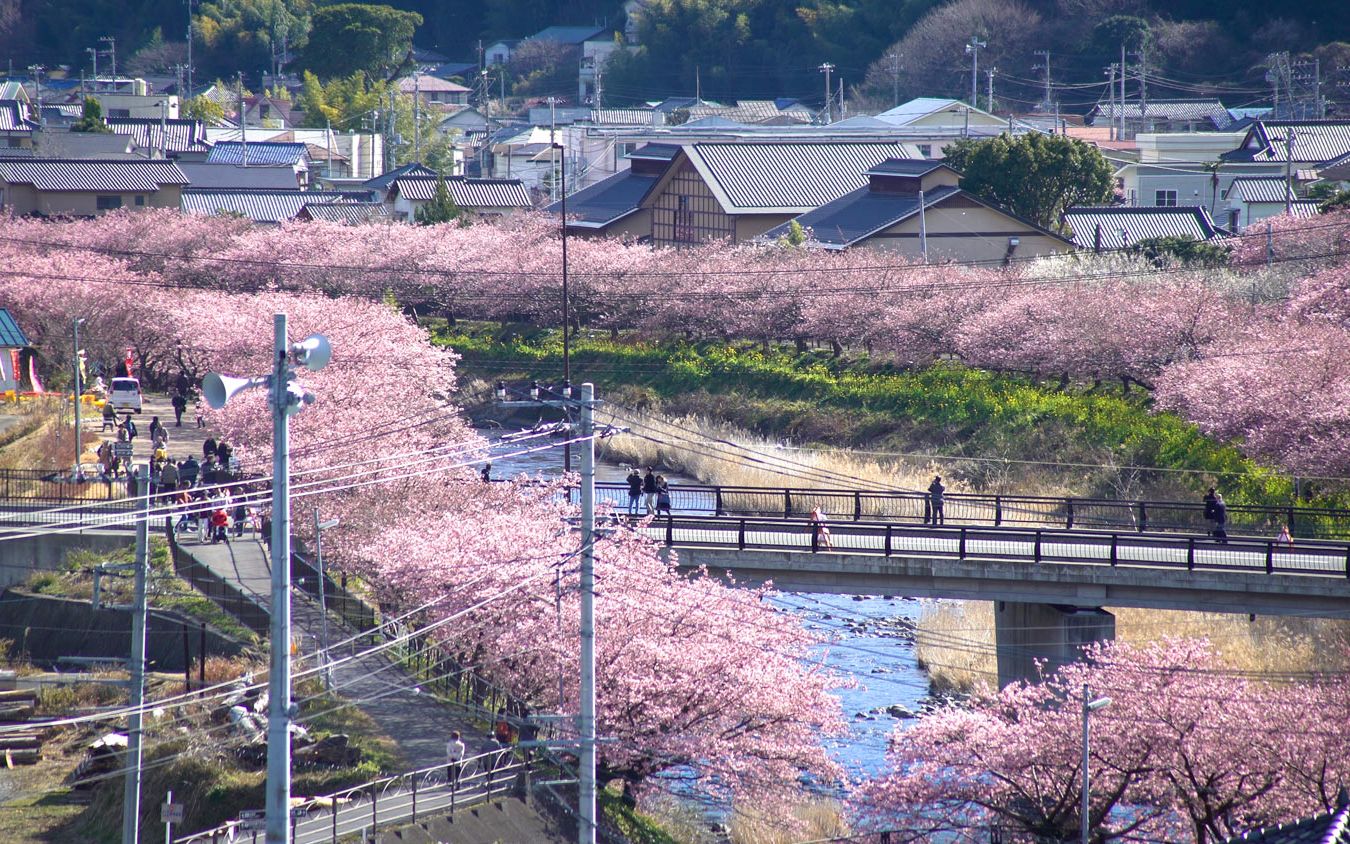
[20, 558]
[47, 628]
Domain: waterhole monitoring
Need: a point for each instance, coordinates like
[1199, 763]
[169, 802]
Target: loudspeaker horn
[313, 352]
[218, 389]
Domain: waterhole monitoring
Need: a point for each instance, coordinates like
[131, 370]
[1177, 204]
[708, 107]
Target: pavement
[418, 723]
[182, 441]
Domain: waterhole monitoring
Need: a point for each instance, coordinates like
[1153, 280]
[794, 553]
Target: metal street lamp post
[1089, 706]
[79, 450]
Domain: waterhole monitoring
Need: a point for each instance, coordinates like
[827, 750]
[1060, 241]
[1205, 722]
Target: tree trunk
[801, 345]
[836, 349]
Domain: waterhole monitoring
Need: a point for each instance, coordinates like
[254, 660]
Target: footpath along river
[870, 644]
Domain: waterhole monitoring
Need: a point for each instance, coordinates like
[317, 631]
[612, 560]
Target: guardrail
[349, 607]
[1039, 545]
[55, 486]
[897, 506]
[384, 802]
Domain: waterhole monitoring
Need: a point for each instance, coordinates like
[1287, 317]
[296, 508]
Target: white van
[125, 394]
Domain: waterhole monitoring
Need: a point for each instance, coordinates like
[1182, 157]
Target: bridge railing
[1032, 545]
[898, 506]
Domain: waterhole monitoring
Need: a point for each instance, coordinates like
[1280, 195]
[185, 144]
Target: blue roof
[11, 335]
[265, 152]
[860, 214]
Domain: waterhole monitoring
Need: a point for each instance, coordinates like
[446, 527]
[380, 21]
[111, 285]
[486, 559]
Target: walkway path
[417, 723]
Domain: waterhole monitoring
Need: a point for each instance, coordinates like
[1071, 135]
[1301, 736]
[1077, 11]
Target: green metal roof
[11, 335]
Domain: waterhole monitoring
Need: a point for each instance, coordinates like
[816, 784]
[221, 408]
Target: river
[869, 643]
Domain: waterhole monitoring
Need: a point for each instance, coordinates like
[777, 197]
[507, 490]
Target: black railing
[994, 510]
[1033, 545]
[55, 486]
[224, 594]
[359, 615]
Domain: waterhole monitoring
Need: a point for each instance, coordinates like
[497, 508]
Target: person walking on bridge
[1220, 518]
[935, 491]
[634, 491]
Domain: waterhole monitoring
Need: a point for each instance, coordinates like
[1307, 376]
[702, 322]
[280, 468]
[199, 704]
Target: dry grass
[956, 640]
[811, 820]
[715, 452]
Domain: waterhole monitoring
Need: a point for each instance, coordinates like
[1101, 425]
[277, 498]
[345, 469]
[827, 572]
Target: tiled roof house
[87, 187]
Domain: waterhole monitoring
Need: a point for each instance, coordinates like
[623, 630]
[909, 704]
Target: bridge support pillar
[1052, 633]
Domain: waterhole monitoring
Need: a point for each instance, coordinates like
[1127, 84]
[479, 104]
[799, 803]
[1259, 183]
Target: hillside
[882, 50]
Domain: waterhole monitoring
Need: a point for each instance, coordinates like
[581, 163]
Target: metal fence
[248, 609]
[350, 608]
[995, 510]
[1308, 557]
[385, 802]
[55, 486]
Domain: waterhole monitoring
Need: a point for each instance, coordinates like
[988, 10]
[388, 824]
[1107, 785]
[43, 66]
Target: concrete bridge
[1048, 585]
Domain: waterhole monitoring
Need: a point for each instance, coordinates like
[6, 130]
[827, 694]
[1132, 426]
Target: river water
[869, 643]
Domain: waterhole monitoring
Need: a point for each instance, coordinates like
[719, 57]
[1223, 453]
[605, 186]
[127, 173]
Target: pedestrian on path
[1210, 499]
[1220, 518]
[179, 408]
[662, 496]
[158, 435]
[109, 417]
[822, 533]
[129, 425]
[209, 448]
[454, 759]
[935, 491]
[188, 471]
[1285, 538]
[649, 490]
[219, 521]
[634, 491]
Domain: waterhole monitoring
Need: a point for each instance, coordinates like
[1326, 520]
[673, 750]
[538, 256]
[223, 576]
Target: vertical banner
[15, 370]
[32, 374]
[131, 373]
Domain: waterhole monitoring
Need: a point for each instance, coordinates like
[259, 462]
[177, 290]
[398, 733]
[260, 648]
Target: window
[926, 150]
[140, 199]
[109, 203]
[1165, 198]
[119, 112]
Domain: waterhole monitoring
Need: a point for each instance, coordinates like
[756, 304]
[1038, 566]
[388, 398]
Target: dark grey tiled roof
[606, 201]
[177, 136]
[467, 193]
[382, 182]
[1315, 141]
[790, 176]
[93, 175]
[857, 215]
[655, 152]
[11, 335]
[1258, 189]
[1177, 110]
[1330, 828]
[350, 213]
[1127, 225]
[234, 177]
[263, 152]
[905, 167]
[262, 206]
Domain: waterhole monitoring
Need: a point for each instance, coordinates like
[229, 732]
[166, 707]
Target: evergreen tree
[91, 118]
[441, 208]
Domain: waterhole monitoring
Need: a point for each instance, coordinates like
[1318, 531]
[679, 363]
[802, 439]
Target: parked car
[125, 394]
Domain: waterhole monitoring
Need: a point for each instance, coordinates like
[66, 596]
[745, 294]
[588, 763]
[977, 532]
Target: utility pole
[319, 528]
[188, 91]
[827, 69]
[895, 79]
[131, 793]
[991, 71]
[843, 104]
[79, 450]
[278, 803]
[973, 50]
[586, 827]
[112, 56]
[1120, 133]
[1049, 98]
[1089, 706]
[243, 123]
[1111, 99]
[93, 53]
[417, 116]
[1142, 55]
[923, 230]
[1289, 172]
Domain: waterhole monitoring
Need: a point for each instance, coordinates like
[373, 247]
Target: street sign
[122, 450]
[171, 813]
[253, 820]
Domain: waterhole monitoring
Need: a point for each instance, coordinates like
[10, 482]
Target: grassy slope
[815, 398]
